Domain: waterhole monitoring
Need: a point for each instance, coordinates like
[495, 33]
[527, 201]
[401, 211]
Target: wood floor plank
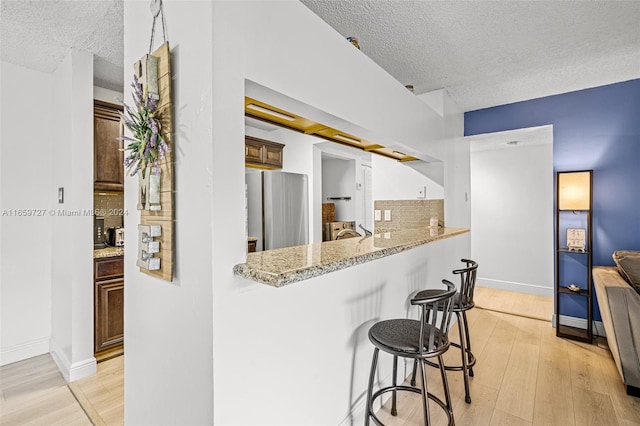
[56, 406]
[527, 305]
[522, 368]
[479, 412]
[518, 390]
[500, 418]
[586, 368]
[495, 355]
[102, 395]
[481, 325]
[593, 408]
[626, 407]
[499, 300]
[554, 379]
[87, 406]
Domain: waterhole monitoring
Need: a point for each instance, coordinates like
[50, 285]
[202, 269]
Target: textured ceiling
[491, 53]
[483, 53]
[39, 34]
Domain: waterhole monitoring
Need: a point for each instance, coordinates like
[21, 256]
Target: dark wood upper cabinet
[262, 154]
[108, 167]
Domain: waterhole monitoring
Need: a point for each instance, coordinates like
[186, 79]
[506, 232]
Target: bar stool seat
[416, 339]
[462, 302]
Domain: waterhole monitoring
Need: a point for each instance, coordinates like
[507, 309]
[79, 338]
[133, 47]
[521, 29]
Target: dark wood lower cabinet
[109, 304]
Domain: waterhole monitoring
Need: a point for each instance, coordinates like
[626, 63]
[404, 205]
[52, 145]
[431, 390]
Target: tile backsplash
[111, 206]
[409, 213]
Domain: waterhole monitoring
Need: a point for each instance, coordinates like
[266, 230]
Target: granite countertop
[108, 252]
[291, 264]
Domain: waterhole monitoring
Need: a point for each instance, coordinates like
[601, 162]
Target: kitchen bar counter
[108, 252]
[284, 266]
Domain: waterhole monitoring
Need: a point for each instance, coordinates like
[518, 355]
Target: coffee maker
[119, 237]
[115, 236]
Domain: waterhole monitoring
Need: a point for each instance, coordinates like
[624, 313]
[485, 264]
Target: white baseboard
[597, 328]
[85, 368]
[72, 371]
[515, 286]
[24, 351]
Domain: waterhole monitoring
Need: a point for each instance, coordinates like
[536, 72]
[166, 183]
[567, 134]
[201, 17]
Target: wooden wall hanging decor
[149, 154]
[155, 232]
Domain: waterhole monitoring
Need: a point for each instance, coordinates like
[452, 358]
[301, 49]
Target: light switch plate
[387, 215]
[422, 192]
[377, 215]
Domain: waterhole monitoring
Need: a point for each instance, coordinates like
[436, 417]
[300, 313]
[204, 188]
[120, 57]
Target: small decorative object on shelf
[409, 87]
[354, 41]
[574, 288]
[575, 239]
[574, 316]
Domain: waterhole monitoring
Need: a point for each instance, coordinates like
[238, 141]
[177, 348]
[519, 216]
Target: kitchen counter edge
[295, 273]
[108, 252]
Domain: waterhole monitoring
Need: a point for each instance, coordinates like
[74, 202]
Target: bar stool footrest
[431, 396]
[470, 363]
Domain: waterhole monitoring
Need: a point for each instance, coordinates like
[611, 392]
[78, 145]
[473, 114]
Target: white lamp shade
[574, 191]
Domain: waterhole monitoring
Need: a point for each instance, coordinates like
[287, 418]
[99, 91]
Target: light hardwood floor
[510, 302]
[33, 392]
[102, 395]
[524, 376]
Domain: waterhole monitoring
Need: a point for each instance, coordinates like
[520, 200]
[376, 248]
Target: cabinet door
[262, 154]
[109, 314]
[108, 168]
[253, 151]
[273, 155]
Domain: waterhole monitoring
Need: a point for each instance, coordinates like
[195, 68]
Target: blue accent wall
[598, 129]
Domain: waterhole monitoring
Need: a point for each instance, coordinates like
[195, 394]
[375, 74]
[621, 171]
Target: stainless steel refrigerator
[277, 209]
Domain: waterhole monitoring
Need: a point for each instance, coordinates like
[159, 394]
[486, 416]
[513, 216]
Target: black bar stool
[418, 339]
[463, 301]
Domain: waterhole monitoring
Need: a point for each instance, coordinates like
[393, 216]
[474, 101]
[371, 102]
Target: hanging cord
[156, 9]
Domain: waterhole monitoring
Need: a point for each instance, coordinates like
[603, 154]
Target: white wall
[457, 179]
[72, 242]
[308, 356]
[448, 178]
[347, 170]
[25, 183]
[47, 262]
[106, 95]
[204, 348]
[168, 326]
[339, 180]
[393, 180]
[289, 353]
[512, 199]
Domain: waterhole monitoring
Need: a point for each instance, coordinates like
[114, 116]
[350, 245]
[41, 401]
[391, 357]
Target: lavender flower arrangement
[147, 146]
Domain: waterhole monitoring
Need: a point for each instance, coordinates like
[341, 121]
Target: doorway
[512, 210]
